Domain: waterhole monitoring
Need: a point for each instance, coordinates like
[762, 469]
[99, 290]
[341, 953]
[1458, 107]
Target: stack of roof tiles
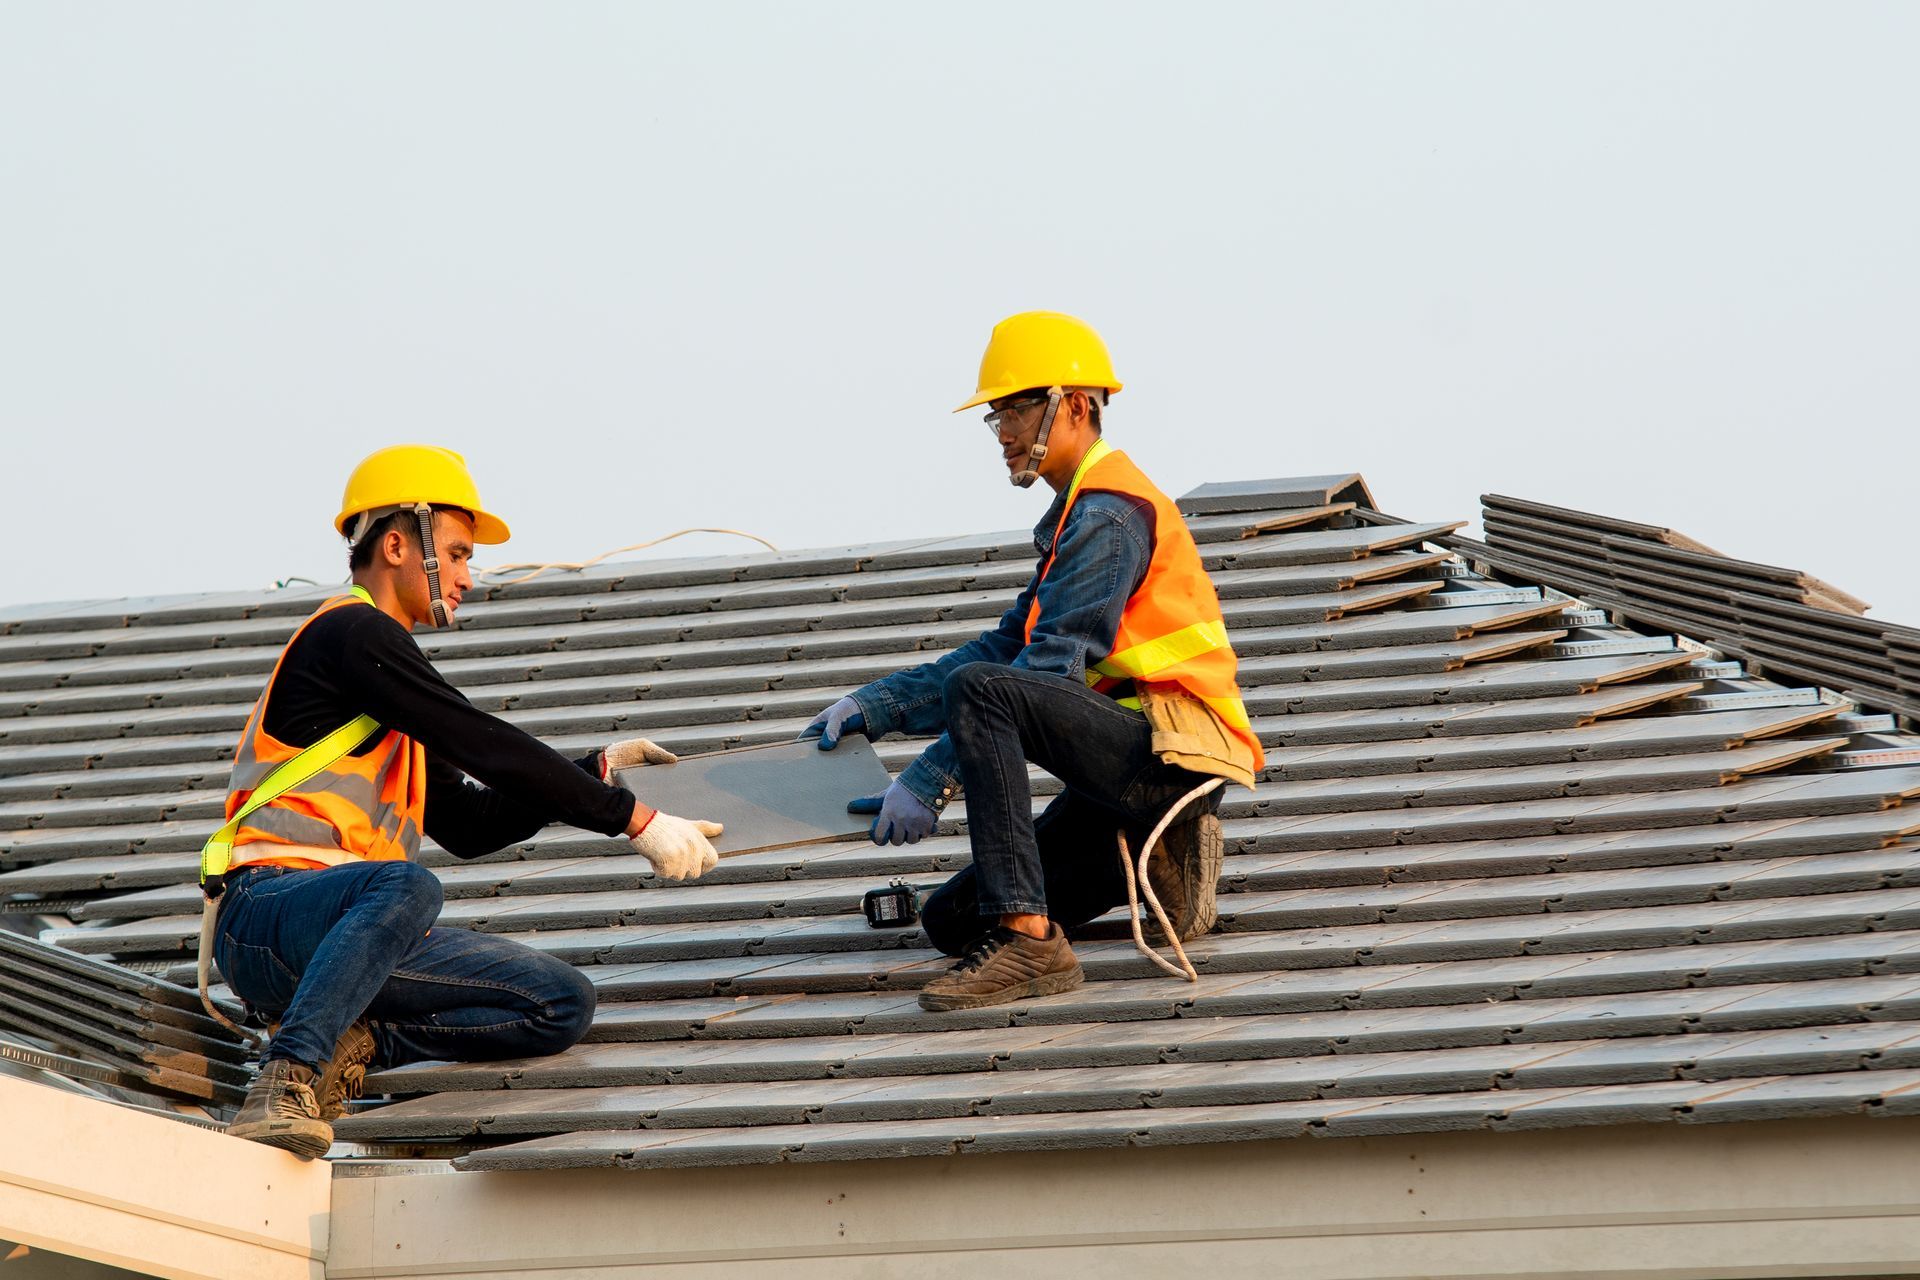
[1509, 865]
[106, 1025]
[1781, 620]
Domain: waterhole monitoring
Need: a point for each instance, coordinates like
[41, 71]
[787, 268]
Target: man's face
[1015, 422]
[453, 544]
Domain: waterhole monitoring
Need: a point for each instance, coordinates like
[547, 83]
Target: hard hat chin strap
[1037, 453]
[423, 513]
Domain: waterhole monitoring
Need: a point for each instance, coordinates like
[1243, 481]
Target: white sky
[655, 266]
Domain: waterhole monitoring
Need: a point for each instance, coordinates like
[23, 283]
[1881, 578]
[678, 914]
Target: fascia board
[1836, 1196]
[116, 1186]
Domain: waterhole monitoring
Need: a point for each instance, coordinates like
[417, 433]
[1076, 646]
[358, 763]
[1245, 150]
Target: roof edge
[130, 1189]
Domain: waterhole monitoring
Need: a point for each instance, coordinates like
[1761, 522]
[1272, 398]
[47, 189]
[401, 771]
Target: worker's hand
[677, 848]
[835, 720]
[631, 754]
[904, 817]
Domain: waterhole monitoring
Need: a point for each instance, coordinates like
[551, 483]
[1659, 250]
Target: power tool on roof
[894, 907]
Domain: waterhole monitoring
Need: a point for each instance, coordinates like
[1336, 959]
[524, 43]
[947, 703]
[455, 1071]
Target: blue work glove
[831, 723]
[904, 817]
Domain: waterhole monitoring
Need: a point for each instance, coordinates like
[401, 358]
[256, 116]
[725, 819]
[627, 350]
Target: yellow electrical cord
[574, 566]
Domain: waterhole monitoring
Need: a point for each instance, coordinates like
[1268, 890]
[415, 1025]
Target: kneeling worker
[1111, 671]
[325, 921]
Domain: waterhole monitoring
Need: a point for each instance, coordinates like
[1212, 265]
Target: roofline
[1836, 1196]
[1210, 498]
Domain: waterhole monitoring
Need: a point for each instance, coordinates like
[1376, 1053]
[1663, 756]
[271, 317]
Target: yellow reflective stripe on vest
[1147, 659]
[1096, 451]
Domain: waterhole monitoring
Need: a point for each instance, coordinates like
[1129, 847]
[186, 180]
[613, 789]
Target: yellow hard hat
[1042, 349]
[408, 474]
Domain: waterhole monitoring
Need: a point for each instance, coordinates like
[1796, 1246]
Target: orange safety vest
[1171, 631]
[370, 806]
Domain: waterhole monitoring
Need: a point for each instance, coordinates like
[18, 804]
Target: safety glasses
[1009, 417]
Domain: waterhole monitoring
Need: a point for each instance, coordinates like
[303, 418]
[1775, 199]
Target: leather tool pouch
[1188, 734]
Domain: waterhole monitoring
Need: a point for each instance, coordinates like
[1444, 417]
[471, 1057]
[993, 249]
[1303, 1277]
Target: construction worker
[1111, 671]
[324, 920]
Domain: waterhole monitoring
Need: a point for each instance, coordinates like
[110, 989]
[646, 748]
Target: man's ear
[393, 546]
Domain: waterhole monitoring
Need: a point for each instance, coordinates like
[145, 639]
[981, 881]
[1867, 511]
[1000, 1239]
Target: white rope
[574, 566]
[208, 914]
[1185, 970]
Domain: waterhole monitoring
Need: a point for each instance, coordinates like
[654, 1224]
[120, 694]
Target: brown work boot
[344, 1075]
[1003, 966]
[282, 1111]
[1185, 874]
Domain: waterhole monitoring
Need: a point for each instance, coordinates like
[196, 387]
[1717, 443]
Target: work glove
[831, 723]
[678, 849]
[631, 754]
[904, 817]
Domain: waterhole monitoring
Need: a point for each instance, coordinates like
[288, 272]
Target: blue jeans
[1064, 864]
[318, 949]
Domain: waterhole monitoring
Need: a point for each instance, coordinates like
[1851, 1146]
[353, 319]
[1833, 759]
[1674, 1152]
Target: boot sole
[1202, 911]
[1213, 857]
[300, 1140]
[1047, 984]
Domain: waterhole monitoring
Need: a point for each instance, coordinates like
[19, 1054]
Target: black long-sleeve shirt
[352, 661]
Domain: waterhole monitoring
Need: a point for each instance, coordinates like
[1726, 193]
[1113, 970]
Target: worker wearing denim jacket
[1111, 671]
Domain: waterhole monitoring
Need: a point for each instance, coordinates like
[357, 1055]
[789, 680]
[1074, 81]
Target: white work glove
[677, 848]
[633, 753]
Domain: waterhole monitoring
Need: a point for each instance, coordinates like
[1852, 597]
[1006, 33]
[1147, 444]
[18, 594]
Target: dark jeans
[318, 949]
[1064, 864]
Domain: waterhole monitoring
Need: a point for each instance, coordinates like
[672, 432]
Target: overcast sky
[659, 266]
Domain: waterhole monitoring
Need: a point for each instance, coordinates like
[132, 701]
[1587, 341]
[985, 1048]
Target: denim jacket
[1104, 552]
